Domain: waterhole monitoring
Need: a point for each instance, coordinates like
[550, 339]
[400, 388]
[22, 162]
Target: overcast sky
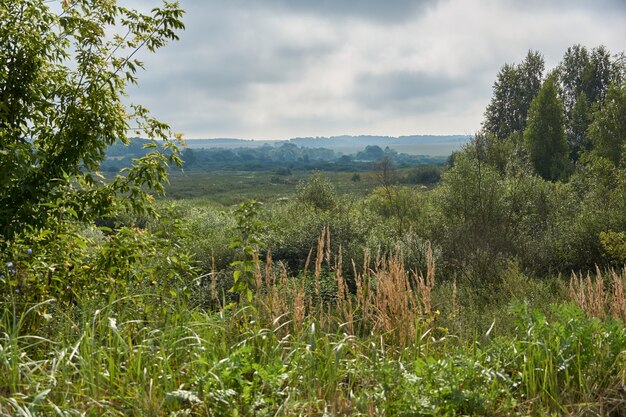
[274, 69]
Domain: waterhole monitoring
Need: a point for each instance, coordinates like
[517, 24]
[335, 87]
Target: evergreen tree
[545, 133]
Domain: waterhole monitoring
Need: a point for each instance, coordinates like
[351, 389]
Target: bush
[317, 193]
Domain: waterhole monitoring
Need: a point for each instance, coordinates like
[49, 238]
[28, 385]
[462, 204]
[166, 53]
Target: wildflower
[113, 323]
[10, 265]
[17, 291]
[29, 251]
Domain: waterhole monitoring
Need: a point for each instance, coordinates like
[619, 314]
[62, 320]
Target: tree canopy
[513, 91]
[63, 76]
[545, 133]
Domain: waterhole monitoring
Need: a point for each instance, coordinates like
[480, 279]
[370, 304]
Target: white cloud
[279, 69]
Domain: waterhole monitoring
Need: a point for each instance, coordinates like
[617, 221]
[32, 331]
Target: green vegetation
[281, 157]
[342, 293]
[545, 134]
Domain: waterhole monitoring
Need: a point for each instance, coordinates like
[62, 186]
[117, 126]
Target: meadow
[229, 188]
[344, 316]
[492, 285]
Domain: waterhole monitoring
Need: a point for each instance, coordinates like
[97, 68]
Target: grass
[229, 188]
[382, 345]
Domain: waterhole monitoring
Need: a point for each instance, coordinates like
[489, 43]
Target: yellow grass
[601, 296]
[385, 298]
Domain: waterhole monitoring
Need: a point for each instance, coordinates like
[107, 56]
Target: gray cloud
[600, 6]
[281, 68]
[373, 10]
[401, 88]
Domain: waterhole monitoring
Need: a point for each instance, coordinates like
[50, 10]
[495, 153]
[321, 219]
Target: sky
[277, 69]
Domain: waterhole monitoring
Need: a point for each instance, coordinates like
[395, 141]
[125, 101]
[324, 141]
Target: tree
[544, 136]
[608, 129]
[318, 192]
[513, 91]
[584, 78]
[371, 153]
[63, 75]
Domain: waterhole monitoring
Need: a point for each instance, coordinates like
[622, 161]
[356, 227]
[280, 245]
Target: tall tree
[576, 127]
[571, 71]
[513, 91]
[63, 74]
[544, 135]
[584, 79]
[608, 129]
[598, 75]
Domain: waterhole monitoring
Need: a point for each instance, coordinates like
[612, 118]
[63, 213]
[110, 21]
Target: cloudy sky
[274, 69]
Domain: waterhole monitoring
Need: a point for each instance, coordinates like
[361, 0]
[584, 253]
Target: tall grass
[383, 298]
[315, 344]
[601, 296]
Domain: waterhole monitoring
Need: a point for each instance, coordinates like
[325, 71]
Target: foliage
[282, 157]
[406, 207]
[584, 78]
[614, 244]
[557, 358]
[545, 135]
[513, 91]
[73, 265]
[423, 175]
[61, 82]
[293, 230]
[471, 202]
[240, 362]
[248, 242]
[63, 76]
[317, 193]
[608, 129]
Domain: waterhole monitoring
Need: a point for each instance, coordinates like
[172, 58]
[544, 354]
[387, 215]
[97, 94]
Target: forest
[263, 158]
[487, 283]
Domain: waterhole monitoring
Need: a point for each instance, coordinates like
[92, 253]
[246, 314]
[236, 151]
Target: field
[295, 280]
[229, 188]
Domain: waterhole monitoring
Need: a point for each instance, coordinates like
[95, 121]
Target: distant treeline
[287, 156]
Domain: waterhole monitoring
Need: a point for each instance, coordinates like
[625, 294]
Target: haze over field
[279, 69]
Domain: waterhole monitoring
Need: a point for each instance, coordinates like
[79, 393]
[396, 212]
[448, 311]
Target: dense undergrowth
[388, 341]
[335, 305]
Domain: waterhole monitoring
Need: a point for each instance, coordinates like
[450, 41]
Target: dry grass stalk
[362, 294]
[299, 305]
[306, 264]
[430, 267]
[395, 304]
[618, 297]
[270, 278]
[589, 294]
[258, 276]
[270, 300]
[321, 243]
[327, 246]
[344, 300]
[455, 302]
[425, 285]
[576, 292]
[213, 285]
[389, 299]
[599, 300]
